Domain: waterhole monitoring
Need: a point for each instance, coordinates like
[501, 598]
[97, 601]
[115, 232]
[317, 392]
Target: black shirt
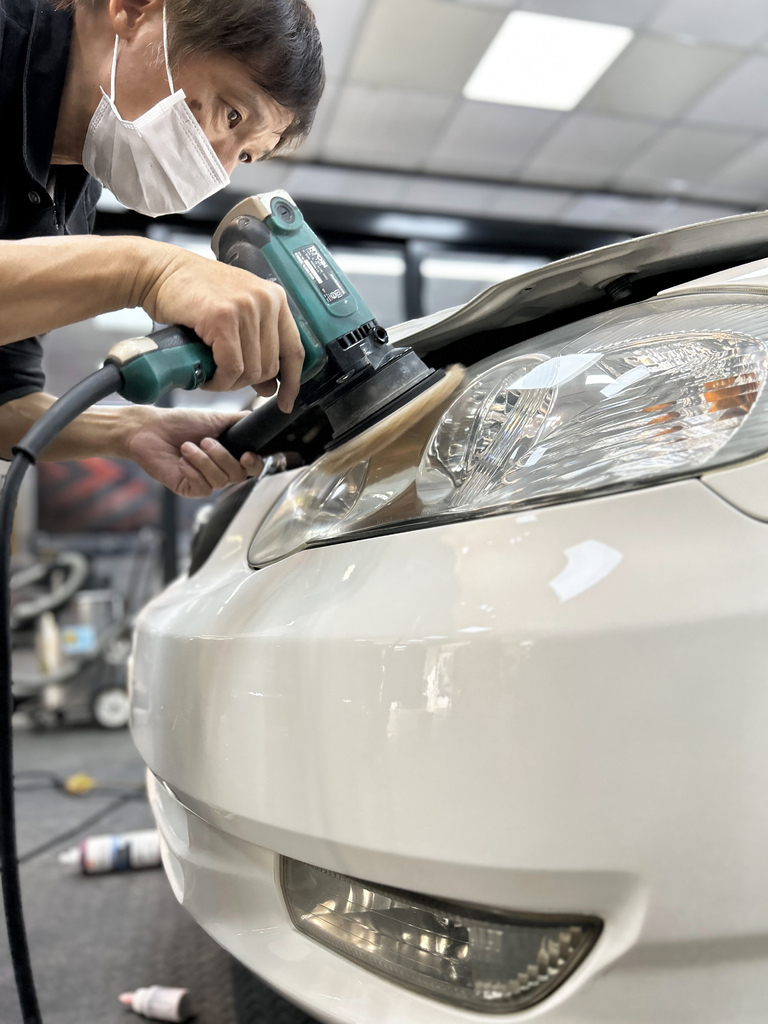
[34, 52]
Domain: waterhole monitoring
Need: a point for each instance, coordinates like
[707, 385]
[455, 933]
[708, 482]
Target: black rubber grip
[252, 433]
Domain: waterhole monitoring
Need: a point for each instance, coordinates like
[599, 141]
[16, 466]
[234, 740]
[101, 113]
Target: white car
[477, 727]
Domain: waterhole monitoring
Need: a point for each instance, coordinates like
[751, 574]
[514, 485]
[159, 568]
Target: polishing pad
[397, 423]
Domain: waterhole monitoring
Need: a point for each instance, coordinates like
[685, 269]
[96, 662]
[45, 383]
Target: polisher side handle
[252, 433]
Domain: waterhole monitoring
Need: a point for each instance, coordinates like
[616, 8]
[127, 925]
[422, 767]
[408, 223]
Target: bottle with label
[158, 1003]
[128, 851]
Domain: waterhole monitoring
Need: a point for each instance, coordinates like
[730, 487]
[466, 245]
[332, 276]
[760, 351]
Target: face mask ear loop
[114, 72]
[165, 50]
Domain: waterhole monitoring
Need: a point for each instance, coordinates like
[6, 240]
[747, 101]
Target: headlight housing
[658, 391]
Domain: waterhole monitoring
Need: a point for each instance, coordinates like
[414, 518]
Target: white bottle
[128, 851]
[158, 1003]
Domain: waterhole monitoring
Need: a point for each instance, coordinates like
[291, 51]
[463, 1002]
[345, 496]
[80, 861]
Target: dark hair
[276, 40]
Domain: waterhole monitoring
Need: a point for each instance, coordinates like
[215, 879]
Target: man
[159, 101]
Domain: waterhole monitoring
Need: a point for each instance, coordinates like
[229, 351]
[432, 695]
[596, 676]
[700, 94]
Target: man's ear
[127, 16]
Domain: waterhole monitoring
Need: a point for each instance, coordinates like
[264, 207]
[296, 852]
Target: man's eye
[245, 158]
[234, 117]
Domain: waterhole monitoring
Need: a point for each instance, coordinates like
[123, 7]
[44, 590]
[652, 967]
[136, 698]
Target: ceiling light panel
[659, 78]
[538, 60]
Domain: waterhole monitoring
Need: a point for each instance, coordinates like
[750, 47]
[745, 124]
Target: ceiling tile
[744, 179]
[631, 214]
[385, 127]
[311, 147]
[738, 100]
[526, 204]
[728, 22]
[423, 44]
[490, 140]
[659, 78]
[339, 22]
[587, 149]
[349, 186]
[632, 13]
[681, 158]
[459, 198]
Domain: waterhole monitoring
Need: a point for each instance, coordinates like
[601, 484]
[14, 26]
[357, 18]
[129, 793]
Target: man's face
[242, 123]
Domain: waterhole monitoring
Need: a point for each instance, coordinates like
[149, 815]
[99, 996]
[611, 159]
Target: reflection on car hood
[612, 276]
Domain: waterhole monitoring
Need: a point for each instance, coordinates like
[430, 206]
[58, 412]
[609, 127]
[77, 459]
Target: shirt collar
[45, 72]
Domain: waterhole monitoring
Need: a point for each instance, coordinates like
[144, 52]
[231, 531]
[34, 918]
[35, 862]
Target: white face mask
[160, 163]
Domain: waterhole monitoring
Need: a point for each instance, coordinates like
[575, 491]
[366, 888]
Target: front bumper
[558, 711]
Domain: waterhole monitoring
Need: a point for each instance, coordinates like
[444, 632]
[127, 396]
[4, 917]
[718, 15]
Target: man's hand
[178, 448]
[245, 320]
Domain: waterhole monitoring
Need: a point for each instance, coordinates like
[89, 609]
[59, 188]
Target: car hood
[590, 282]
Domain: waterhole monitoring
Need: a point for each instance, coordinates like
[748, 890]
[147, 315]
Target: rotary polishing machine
[350, 370]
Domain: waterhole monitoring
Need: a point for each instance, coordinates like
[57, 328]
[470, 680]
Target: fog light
[469, 956]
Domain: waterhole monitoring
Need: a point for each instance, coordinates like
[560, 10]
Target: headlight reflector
[482, 960]
[658, 391]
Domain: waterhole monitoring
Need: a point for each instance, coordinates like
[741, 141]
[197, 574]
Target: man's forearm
[98, 432]
[50, 282]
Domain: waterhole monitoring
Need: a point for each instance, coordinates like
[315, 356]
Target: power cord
[104, 382]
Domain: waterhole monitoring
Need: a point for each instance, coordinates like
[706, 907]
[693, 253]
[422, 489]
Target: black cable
[99, 385]
[77, 830]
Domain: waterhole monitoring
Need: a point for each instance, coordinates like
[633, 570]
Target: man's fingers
[202, 460]
[266, 389]
[252, 463]
[225, 341]
[194, 484]
[291, 359]
[224, 462]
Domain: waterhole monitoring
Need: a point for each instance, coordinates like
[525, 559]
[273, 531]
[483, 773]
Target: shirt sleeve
[21, 369]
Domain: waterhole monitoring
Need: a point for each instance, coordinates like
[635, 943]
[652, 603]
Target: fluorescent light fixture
[373, 264]
[538, 60]
[486, 271]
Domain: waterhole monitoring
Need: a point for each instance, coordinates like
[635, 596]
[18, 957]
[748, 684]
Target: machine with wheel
[71, 639]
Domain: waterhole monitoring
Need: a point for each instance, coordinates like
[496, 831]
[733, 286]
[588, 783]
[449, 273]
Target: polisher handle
[252, 433]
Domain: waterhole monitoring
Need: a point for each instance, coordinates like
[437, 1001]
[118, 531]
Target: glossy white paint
[745, 487]
[551, 711]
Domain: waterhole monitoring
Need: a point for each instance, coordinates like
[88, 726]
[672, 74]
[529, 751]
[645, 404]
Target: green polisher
[350, 372]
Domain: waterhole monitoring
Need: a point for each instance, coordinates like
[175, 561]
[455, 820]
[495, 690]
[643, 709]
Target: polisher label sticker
[318, 269]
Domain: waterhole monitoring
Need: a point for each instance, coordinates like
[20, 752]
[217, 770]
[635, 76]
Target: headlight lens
[657, 391]
[478, 959]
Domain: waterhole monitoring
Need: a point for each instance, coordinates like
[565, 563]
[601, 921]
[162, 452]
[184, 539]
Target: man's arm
[47, 283]
[177, 447]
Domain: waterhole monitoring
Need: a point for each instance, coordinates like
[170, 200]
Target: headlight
[657, 391]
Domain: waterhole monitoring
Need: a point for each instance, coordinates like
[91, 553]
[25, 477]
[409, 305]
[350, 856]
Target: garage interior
[427, 188]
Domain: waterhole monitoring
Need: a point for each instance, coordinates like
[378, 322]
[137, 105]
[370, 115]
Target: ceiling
[675, 131]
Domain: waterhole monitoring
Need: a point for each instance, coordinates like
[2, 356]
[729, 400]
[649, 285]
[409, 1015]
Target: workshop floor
[94, 937]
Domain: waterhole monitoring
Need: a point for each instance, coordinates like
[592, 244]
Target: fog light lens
[471, 957]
